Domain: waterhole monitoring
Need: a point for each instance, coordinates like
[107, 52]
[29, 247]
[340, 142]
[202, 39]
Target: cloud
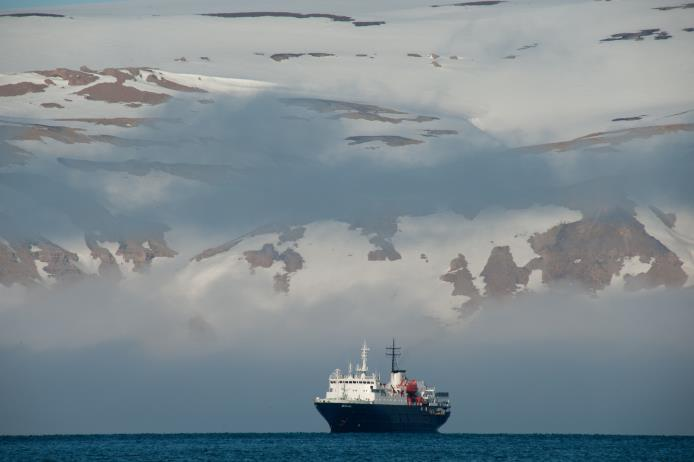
[558, 362]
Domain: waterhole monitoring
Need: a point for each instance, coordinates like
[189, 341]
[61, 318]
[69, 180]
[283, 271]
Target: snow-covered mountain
[442, 155]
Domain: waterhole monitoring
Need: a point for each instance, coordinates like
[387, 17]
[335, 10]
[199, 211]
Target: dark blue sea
[355, 447]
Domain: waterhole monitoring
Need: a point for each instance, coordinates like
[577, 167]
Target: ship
[359, 401]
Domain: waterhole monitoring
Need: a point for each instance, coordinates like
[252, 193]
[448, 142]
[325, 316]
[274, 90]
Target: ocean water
[349, 447]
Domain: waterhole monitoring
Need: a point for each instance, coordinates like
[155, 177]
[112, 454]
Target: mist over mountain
[255, 187]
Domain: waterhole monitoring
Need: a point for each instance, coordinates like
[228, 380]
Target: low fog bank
[557, 362]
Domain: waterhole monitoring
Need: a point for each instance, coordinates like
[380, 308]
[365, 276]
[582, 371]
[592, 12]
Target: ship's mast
[364, 351]
[393, 352]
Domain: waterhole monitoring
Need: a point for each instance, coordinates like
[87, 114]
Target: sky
[562, 363]
[209, 346]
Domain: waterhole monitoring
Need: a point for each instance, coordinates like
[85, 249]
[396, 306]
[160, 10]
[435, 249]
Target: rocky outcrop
[67, 135]
[666, 270]
[59, 263]
[385, 251]
[114, 92]
[502, 277]
[591, 251]
[108, 267]
[20, 260]
[368, 23]
[263, 258]
[73, 78]
[683, 6]
[437, 133]
[381, 228]
[141, 251]
[656, 33]
[17, 266]
[119, 74]
[476, 3]
[286, 234]
[21, 88]
[284, 56]
[280, 14]
[27, 15]
[267, 255]
[461, 278]
[211, 252]
[388, 140]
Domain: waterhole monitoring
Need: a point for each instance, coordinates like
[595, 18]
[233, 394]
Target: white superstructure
[360, 386]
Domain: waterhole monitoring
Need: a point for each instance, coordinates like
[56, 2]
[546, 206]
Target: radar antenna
[394, 352]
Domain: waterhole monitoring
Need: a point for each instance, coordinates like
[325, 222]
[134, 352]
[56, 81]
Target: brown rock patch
[389, 140]
[108, 267]
[477, 3]
[26, 15]
[280, 14]
[18, 262]
[267, 255]
[17, 266]
[386, 250]
[284, 56]
[21, 88]
[114, 92]
[74, 78]
[263, 258]
[501, 275]
[133, 250]
[120, 75]
[461, 278]
[436, 133]
[590, 252]
[65, 135]
[52, 106]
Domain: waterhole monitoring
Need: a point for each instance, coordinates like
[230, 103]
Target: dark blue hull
[345, 418]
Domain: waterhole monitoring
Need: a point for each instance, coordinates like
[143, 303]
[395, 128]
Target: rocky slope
[409, 158]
